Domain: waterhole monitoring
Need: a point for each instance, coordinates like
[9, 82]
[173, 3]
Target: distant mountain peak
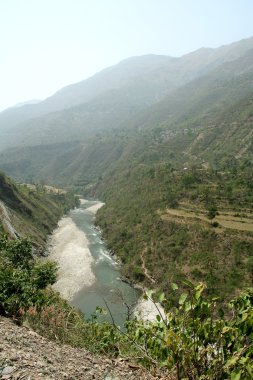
[27, 102]
[153, 57]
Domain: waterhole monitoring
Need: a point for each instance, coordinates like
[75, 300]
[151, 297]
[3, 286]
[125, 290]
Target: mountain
[110, 79]
[32, 101]
[71, 153]
[110, 97]
[209, 94]
[171, 157]
[167, 144]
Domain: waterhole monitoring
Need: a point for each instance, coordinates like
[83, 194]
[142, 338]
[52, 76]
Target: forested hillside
[167, 144]
[193, 120]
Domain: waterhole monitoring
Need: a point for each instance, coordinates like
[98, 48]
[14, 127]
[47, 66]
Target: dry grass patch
[225, 220]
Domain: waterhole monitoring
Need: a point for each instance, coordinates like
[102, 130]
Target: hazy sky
[47, 44]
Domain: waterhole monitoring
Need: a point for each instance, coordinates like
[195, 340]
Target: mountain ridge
[152, 161]
[92, 130]
[164, 75]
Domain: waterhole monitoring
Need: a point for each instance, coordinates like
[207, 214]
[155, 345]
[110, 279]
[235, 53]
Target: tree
[212, 212]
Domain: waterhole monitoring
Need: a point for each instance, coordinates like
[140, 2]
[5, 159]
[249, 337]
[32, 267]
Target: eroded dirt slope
[26, 355]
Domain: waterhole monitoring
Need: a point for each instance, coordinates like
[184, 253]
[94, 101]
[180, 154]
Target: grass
[225, 219]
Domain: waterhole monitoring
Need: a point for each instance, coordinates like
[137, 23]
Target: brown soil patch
[26, 355]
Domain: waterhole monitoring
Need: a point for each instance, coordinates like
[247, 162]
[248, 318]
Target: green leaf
[188, 306]
[161, 297]
[188, 283]
[199, 289]
[236, 375]
[243, 360]
[198, 294]
[182, 298]
[174, 286]
[249, 369]
[149, 294]
[232, 362]
[244, 316]
[226, 329]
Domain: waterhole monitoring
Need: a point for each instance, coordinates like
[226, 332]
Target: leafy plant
[23, 280]
[196, 341]
[194, 338]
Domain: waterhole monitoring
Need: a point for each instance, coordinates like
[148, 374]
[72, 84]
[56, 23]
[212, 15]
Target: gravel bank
[70, 249]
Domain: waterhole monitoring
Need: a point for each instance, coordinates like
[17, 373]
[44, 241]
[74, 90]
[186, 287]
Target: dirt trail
[145, 270]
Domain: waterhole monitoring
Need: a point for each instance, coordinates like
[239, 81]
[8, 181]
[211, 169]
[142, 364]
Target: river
[88, 275]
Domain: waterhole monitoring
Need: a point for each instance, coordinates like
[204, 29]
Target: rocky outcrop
[6, 222]
[26, 355]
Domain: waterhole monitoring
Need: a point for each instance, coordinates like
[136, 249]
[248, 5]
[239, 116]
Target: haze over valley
[137, 179]
[182, 117]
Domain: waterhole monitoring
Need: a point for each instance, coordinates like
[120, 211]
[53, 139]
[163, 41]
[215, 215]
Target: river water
[88, 275]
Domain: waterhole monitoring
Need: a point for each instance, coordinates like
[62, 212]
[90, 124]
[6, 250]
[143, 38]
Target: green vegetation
[212, 212]
[137, 222]
[194, 340]
[34, 210]
[22, 279]
[148, 118]
[167, 153]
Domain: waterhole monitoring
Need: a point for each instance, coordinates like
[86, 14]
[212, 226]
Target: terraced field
[226, 219]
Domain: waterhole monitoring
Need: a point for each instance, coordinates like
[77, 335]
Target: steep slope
[208, 95]
[158, 184]
[228, 139]
[30, 211]
[156, 220]
[41, 358]
[156, 215]
[163, 174]
[187, 67]
[189, 124]
[110, 79]
[109, 97]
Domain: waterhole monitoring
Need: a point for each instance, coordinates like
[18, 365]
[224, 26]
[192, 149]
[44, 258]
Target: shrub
[22, 280]
[196, 341]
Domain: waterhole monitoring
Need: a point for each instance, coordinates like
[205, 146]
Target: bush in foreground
[196, 340]
[23, 280]
[193, 340]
